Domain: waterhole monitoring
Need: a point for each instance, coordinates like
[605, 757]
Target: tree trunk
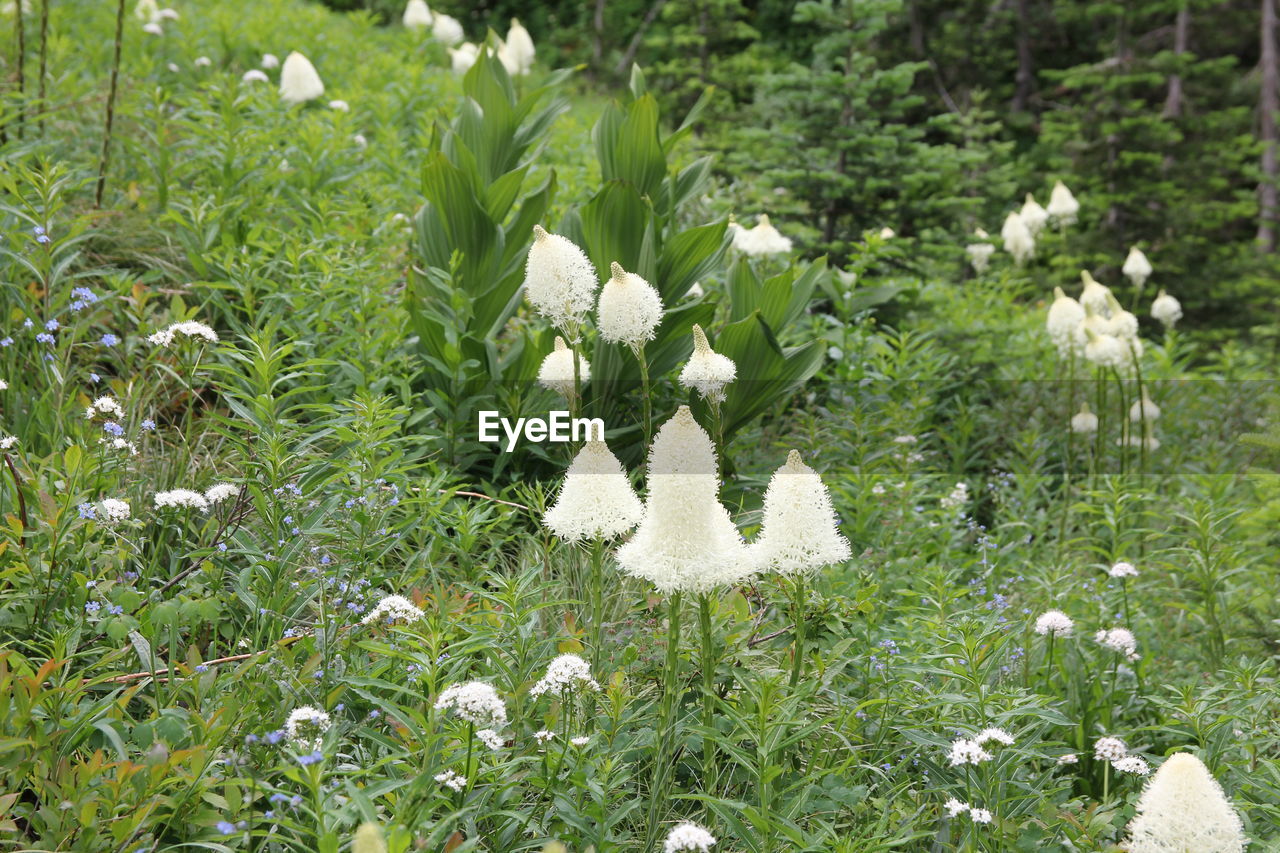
[1181, 34]
[1269, 111]
[624, 64]
[597, 38]
[1024, 80]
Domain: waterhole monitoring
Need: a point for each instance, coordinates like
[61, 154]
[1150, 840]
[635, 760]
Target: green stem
[708, 663]
[645, 403]
[597, 603]
[666, 723]
[797, 614]
[111, 106]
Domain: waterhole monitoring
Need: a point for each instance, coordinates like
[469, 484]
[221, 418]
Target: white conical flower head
[520, 45]
[299, 80]
[1143, 409]
[1166, 309]
[763, 239]
[559, 281]
[1033, 214]
[507, 57]
[1094, 296]
[800, 530]
[1103, 349]
[461, 58]
[1136, 267]
[887, 233]
[556, 372]
[1017, 237]
[1063, 206]
[596, 500]
[417, 15]
[446, 29]
[1184, 810]
[1084, 421]
[980, 255]
[686, 540]
[1065, 322]
[707, 372]
[145, 10]
[629, 309]
[688, 838]
[1122, 323]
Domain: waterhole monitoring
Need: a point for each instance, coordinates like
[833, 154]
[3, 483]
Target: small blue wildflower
[90, 584]
[95, 378]
[109, 340]
[222, 546]
[274, 737]
[28, 323]
[375, 714]
[91, 607]
[7, 342]
[226, 827]
[115, 610]
[87, 511]
[113, 428]
[289, 632]
[149, 425]
[51, 326]
[44, 338]
[202, 667]
[311, 758]
[325, 560]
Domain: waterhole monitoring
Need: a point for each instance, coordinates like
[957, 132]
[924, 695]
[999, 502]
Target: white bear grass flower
[417, 15]
[559, 282]
[446, 29]
[568, 672]
[596, 500]
[556, 372]
[1018, 239]
[1183, 809]
[1143, 409]
[1136, 267]
[688, 838]
[629, 310]
[1063, 207]
[1094, 296]
[520, 47]
[1166, 309]
[1033, 215]
[763, 239]
[393, 610]
[474, 702]
[800, 530]
[980, 255]
[1084, 421]
[686, 540]
[707, 371]
[1065, 323]
[299, 80]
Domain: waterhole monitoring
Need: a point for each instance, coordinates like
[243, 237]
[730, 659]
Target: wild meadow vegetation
[903, 534]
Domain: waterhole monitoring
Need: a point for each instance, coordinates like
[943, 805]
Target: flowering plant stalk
[666, 729]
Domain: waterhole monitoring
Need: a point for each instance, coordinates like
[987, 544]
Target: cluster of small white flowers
[565, 673]
[476, 702]
[966, 751]
[1123, 570]
[220, 492]
[181, 498]
[115, 511]
[1120, 640]
[1166, 309]
[393, 609]
[543, 736]
[763, 239]
[688, 838]
[1018, 239]
[306, 726]
[957, 499]
[707, 371]
[1063, 206]
[905, 439]
[994, 734]
[190, 329]
[1065, 323]
[955, 808]
[490, 738]
[1109, 749]
[452, 780]
[580, 740]
[7, 442]
[1068, 758]
[1132, 764]
[122, 445]
[1054, 622]
[104, 406]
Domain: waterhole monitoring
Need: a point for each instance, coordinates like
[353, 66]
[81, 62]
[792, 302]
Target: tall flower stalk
[105, 159]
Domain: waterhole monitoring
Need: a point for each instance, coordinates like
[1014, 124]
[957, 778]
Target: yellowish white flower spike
[1136, 267]
[1033, 215]
[980, 255]
[520, 47]
[446, 29]
[629, 309]
[417, 15]
[1084, 421]
[1065, 323]
[299, 80]
[461, 58]
[1166, 309]
[800, 531]
[1063, 207]
[763, 239]
[1184, 810]
[559, 281]
[596, 500]
[1018, 239]
[707, 371]
[1094, 296]
[686, 540]
[556, 372]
